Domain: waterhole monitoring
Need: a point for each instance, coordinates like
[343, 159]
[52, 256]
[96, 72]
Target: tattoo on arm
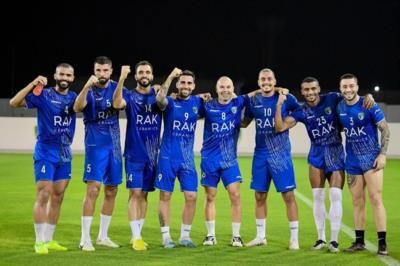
[385, 136]
[351, 180]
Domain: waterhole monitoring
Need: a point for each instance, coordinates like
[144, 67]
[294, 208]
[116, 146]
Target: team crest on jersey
[328, 110]
[66, 109]
[194, 109]
[234, 109]
[361, 116]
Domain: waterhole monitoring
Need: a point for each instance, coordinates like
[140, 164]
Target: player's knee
[93, 192]
[191, 197]
[289, 198]
[110, 192]
[43, 195]
[234, 195]
[57, 197]
[260, 197]
[210, 198]
[376, 199]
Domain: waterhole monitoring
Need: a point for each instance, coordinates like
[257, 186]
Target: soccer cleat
[209, 241]
[87, 246]
[236, 242]
[187, 242]
[333, 247]
[107, 243]
[382, 250]
[355, 247]
[257, 242]
[41, 248]
[139, 245]
[169, 243]
[145, 243]
[294, 245]
[319, 244]
[54, 245]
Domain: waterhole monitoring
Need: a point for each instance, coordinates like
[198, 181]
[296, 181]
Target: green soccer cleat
[41, 248]
[54, 245]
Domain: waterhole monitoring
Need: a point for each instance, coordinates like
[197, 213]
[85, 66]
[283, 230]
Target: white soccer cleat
[333, 247]
[236, 242]
[209, 241]
[319, 244]
[87, 246]
[257, 242]
[294, 245]
[107, 243]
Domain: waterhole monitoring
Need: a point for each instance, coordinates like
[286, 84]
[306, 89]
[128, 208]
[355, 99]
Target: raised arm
[19, 99]
[368, 101]
[161, 97]
[282, 124]
[118, 100]
[80, 102]
[380, 161]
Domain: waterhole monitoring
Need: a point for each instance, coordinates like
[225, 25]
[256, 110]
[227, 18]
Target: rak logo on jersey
[184, 126]
[265, 123]
[322, 130]
[361, 116]
[62, 122]
[354, 132]
[328, 110]
[222, 127]
[150, 119]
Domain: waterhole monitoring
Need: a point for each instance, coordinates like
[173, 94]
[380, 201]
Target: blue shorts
[277, 167]
[140, 175]
[102, 165]
[359, 164]
[49, 171]
[211, 178]
[328, 158]
[167, 170]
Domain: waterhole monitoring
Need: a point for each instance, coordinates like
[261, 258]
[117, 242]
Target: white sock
[319, 211]
[49, 232]
[185, 231]
[335, 212]
[165, 233]
[141, 223]
[135, 228]
[260, 225]
[104, 224]
[210, 228]
[294, 231]
[86, 223]
[39, 232]
[236, 229]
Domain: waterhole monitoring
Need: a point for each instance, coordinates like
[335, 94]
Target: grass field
[17, 195]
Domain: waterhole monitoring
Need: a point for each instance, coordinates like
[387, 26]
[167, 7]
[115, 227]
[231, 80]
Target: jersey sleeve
[377, 114]
[33, 101]
[298, 115]
[248, 111]
[335, 96]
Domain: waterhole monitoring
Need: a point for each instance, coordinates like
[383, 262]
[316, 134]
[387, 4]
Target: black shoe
[355, 247]
[382, 250]
[319, 244]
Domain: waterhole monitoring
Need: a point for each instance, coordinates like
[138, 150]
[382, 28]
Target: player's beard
[63, 84]
[184, 93]
[144, 82]
[103, 81]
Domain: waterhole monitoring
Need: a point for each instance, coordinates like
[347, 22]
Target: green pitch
[17, 193]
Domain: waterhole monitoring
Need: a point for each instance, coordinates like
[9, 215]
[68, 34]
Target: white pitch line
[348, 231]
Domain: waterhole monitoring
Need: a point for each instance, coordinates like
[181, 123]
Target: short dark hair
[309, 80]
[103, 60]
[143, 63]
[188, 73]
[349, 76]
[65, 65]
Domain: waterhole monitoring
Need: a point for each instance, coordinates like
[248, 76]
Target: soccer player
[103, 159]
[176, 157]
[52, 156]
[219, 156]
[141, 144]
[365, 159]
[272, 157]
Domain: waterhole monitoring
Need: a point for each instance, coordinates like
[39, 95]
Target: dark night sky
[295, 38]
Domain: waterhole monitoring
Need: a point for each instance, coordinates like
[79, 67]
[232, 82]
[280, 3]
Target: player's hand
[380, 162]
[176, 72]
[369, 101]
[205, 96]
[125, 70]
[281, 99]
[173, 95]
[91, 81]
[40, 79]
[283, 91]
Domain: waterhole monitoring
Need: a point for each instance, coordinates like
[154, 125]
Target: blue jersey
[180, 120]
[221, 132]
[101, 119]
[321, 121]
[360, 128]
[56, 124]
[262, 109]
[143, 127]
